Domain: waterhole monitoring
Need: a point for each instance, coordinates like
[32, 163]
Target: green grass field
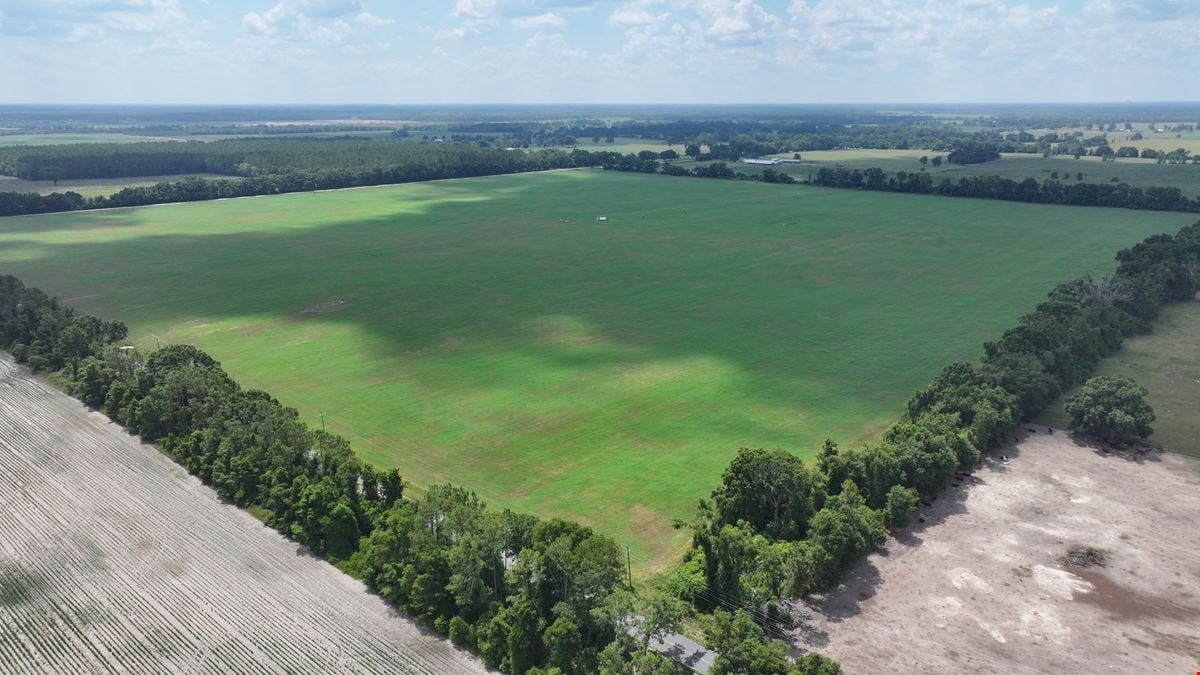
[1167, 364]
[94, 187]
[492, 333]
[1137, 172]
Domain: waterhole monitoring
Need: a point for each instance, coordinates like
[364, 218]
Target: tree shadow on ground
[1138, 452]
[860, 584]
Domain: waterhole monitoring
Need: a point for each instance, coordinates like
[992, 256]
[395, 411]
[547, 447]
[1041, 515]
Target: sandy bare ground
[982, 586]
[113, 559]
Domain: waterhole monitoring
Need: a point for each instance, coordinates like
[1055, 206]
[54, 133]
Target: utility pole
[157, 344]
[629, 566]
[322, 421]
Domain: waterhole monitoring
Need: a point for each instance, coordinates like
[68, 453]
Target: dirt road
[113, 559]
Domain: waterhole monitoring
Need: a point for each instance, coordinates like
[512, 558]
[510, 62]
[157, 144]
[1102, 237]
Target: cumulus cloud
[539, 21]
[739, 23]
[1146, 10]
[80, 18]
[322, 21]
[475, 16]
[473, 9]
[756, 49]
[635, 16]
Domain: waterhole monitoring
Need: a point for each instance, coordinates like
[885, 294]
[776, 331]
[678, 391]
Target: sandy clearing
[981, 586]
[114, 559]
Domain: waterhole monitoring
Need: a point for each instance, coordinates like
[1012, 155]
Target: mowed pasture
[493, 333]
[115, 560]
[1167, 363]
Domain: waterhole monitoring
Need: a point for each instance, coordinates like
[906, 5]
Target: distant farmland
[114, 560]
[493, 333]
[1141, 173]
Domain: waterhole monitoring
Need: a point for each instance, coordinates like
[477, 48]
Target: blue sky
[459, 51]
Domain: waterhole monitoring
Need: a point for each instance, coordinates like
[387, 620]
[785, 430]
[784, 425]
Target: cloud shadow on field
[575, 364]
[431, 285]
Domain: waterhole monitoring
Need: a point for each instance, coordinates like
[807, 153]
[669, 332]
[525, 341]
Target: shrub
[901, 504]
[461, 633]
[1111, 407]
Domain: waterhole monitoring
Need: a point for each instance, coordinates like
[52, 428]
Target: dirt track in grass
[982, 585]
[113, 559]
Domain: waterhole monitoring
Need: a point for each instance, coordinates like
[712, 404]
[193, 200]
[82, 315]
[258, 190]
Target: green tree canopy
[1112, 407]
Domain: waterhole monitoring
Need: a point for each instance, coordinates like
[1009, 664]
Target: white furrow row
[114, 560]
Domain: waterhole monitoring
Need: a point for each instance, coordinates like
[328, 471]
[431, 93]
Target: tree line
[528, 595]
[252, 157]
[1049, 191]
[427, 161]
[291, 167]
[777, 528]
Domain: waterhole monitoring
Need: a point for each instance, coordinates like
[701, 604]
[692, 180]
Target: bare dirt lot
[984, 584]
[113, 559]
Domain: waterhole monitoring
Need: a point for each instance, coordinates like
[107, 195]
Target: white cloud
[268, 22]
[473, 9]
[736, 22]
[330, 9]
[476, 15]
[82, 18]
[635, 16]
[321, 21]
[539, 21]
[1147, 10]
[749, 50]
